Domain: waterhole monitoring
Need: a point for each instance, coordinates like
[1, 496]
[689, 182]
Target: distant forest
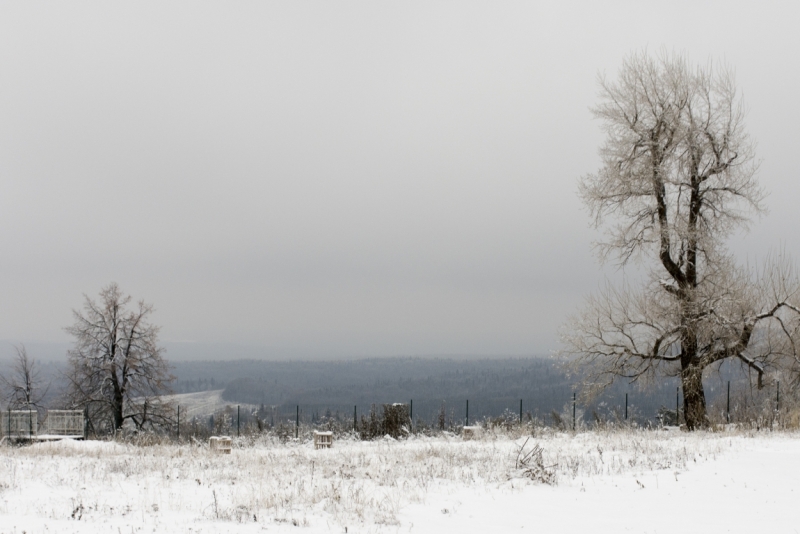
[492, 386]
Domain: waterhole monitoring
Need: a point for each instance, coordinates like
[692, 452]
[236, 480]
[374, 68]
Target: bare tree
[116, 369]
[677, 178]
[24, 388]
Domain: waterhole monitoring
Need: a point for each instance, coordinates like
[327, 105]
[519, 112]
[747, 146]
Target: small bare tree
[24, 387]
[677, 178]
[116, 369]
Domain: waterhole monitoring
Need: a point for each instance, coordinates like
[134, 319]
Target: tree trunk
[117, 408]
[694, 398]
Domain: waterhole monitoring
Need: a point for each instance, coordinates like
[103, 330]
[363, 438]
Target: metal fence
[24, 424]
[64, 423]
[19, 424]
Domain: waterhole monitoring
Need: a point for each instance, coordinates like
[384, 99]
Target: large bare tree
[117, 370]
[678, 176]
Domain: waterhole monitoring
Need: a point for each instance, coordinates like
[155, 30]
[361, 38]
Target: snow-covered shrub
[530, 464]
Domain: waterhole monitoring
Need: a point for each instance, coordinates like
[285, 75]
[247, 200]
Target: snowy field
[620, 481]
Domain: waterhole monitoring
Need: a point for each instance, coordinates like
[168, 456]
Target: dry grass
[356, 482]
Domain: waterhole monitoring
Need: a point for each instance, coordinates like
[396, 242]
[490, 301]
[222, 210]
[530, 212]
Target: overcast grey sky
[331, 179]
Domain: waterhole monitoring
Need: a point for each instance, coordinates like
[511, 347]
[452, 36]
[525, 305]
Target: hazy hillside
[492, 386]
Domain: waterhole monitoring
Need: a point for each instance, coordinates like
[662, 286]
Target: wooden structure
[220, 444]
[323, 440]
[471, 432]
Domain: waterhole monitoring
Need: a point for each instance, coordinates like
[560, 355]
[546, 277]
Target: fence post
[728, 411]
[238, 419]
[677, 406]
[520, 411]
[626, 406]
[179, 422]
[30, 423]
[778, 397]
[573, 411]
[355, 419]
[297, 423]
[467, 419]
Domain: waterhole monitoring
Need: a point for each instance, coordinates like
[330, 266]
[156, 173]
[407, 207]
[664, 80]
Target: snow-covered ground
[634, 481]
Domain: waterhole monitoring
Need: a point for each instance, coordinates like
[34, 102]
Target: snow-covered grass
[419, 484]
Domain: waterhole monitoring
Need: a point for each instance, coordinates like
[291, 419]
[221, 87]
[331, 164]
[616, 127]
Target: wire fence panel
[18, 424]
[64, 423]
